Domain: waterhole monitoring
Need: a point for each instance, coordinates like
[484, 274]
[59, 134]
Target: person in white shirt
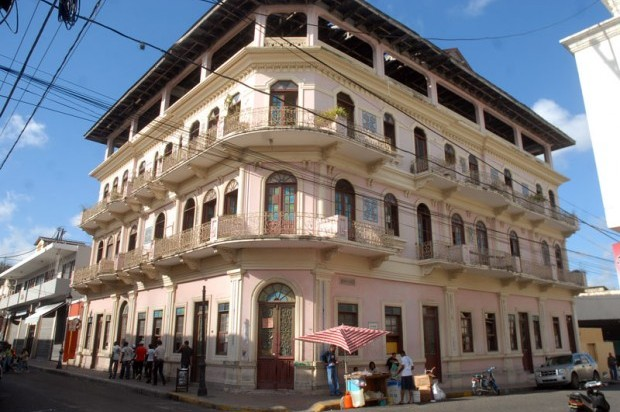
[115, 355]
[158, 369]
[406, 377]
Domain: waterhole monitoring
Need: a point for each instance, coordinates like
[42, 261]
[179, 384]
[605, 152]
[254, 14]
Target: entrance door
[571, 334]
[96, 341]
[432, 348]
[30, 337]
[199, 349]
[526, 342]
[275, 368]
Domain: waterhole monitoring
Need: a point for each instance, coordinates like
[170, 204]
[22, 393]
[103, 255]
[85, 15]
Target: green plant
[334, 112]
[538, 197]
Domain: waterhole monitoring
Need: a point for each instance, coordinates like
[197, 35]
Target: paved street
[44, 392]
[38, 391]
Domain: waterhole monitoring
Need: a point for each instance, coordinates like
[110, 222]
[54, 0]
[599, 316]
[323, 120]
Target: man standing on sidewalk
[126, 358]
[138, 360]
[186, 355]
[115, 355]
[160, 352]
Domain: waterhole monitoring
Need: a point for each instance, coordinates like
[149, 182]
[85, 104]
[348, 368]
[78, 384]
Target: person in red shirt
[138, 361]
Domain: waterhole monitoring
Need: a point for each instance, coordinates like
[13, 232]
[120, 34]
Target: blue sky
[45, 181]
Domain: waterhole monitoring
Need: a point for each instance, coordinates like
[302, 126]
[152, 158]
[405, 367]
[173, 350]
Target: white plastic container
[358, 398]
[393, 391]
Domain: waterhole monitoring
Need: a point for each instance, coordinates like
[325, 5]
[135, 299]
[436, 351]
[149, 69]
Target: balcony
[493, 192]
[456, 259]
[269, 127]
[106, 210]
[50, 289]
[93, 276]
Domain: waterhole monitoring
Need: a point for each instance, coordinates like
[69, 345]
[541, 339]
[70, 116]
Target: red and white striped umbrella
[349, 338]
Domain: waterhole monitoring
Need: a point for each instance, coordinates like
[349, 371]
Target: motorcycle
[594, 401]
[484, 382]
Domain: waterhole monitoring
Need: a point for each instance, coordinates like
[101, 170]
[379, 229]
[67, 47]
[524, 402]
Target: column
[238, 351]
[312, 27]
[451, 321]
[131, 311]
[82, 338]
[168, 327]
[323, 313]
[542, 313]
[241, 193]
[259, 30]
[113, 328]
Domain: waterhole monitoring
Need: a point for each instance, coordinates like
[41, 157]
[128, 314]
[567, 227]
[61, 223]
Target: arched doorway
[280, 195]
[276, 330]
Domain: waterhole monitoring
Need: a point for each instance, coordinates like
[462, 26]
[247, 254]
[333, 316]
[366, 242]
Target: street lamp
[202, 385]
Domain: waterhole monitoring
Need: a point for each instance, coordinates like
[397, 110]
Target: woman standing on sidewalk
[148, 368]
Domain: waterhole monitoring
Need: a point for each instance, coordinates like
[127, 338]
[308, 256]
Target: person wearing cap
[138, 360]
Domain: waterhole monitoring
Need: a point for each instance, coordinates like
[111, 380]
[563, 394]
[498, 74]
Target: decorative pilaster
[504, 325]
[115, 299]
[235, 322]
[131, 310]
[453, 342]
[542, 313]
[168, 327]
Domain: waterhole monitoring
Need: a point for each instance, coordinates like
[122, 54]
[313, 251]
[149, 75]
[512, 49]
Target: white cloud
[76, 220]
[576, 126]
[8, 205]
[476, 7]
[34, 134]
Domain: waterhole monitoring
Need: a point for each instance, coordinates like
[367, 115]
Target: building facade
[36, 295]
[596, 52]
[317, 163]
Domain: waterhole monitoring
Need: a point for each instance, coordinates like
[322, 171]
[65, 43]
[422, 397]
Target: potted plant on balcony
[327, 117]
[538, 198]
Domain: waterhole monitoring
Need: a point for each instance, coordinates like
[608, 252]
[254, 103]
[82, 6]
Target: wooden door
[432, 347]
[199, 349]
[275, 369]
[526, 342]
[96, 341]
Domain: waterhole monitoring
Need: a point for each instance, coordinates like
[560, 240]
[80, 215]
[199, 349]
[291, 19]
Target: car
[567, 370]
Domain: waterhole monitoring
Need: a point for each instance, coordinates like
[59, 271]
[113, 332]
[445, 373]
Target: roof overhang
[358, 13]
[40, 259]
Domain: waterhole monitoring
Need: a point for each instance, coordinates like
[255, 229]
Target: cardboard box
[422, 381]
[426, 395]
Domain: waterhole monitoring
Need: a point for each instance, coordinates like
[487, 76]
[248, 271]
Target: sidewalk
[226, 400]
[253, 400]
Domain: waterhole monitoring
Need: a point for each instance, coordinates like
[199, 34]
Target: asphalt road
[37, 391]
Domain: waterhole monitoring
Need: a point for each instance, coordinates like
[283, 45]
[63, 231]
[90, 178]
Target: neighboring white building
[596, 51]
[35, 293]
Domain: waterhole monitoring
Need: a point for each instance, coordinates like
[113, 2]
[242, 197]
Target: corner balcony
[94, 277]
[490, 190]
[261, 230]
[46, 290]
[103, 212]
[461, 259]
[273, 128]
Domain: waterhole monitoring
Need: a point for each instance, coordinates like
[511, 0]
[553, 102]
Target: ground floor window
[556, 333]
[467, 336]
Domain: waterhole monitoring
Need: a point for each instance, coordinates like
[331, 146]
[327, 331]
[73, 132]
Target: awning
[42, 311]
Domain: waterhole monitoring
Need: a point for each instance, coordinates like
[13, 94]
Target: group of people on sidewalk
[138, 362]
[10, 361]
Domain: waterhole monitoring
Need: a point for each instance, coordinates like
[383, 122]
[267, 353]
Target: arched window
[209, 207]
[449, 155]
[421, 150]
[344, 101]
[109, 249]
[133, 238]
[544, 248]
[125, 181]
[115, 185]
[508, 178]
[188, 214]
[230, 198]
[277, 292]
[514, 244]
[99, 251]
[559, 262]
[121, 333]
[194, 131]
[482, 243]
[425, 232]
[231, 122]
[552, 200]
[106, 191]
[160, 226]
[474, 173]
[214, 118]
[280, 203]
[142, 168]
[458, 230]
[539, 190]
[155, 164]
[389, 129]
[390, 205]
[345, 204]
[283, 104]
